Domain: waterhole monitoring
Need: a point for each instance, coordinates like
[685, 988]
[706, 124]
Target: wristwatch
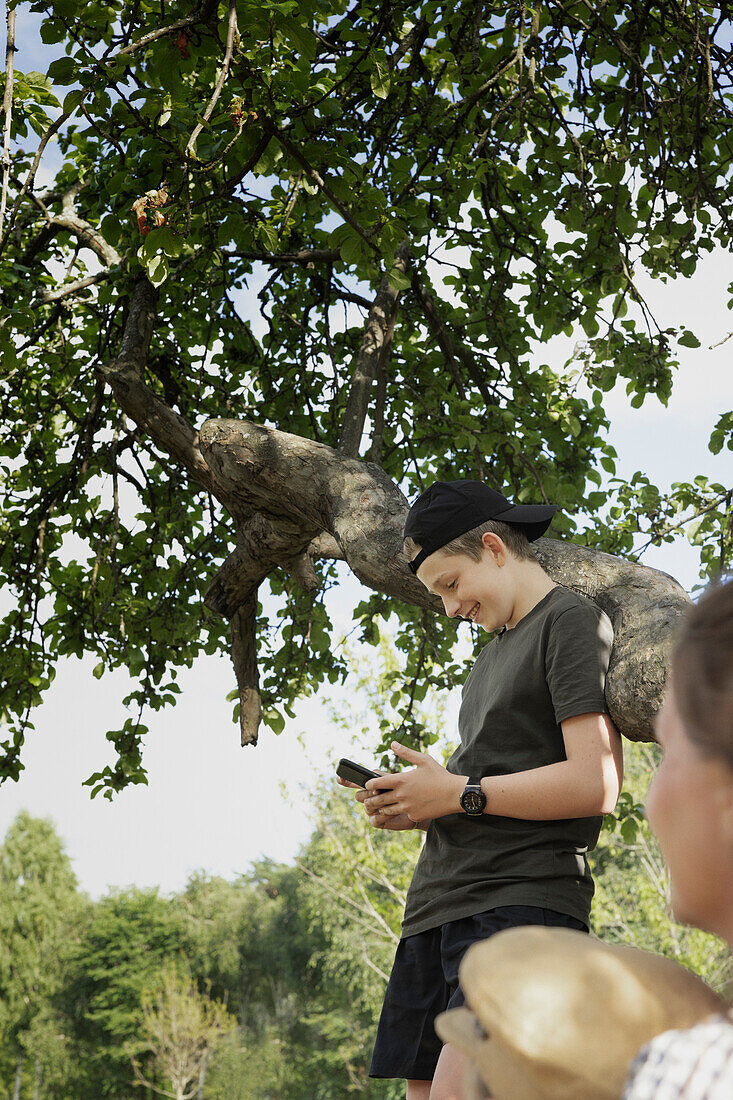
[473, 799]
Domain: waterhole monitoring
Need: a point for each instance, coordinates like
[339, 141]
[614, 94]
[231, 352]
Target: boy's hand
[394, 822]
[426, 791]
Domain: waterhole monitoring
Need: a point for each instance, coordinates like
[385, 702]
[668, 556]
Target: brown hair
[702, 672]
[471, 545]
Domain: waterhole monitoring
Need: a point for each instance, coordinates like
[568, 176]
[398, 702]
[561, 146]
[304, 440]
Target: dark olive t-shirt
[551, 666]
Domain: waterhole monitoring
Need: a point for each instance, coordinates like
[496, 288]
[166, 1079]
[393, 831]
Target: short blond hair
[472, 546]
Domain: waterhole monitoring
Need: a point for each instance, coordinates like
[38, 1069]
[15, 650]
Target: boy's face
[479, 591]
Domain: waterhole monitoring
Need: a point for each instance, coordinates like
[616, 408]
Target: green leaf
[158, 270]
[72, 100]
[268, 235]
[272, 717]
[399, 279]
[39, 80]
[302, 38]
[688, 339]
[63, 71]
[162, 239]
[352, 250]
[380, 77]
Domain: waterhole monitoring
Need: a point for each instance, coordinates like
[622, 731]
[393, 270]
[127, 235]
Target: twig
[231, 29]
[365, 234]
[8, 108]
[469, 100]
[57, 293]
[53, 129]
[274, 259]
[160, 33]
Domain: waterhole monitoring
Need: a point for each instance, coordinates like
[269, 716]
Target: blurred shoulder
[691, 1064]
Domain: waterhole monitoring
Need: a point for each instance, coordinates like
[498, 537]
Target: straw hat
[556, 1015]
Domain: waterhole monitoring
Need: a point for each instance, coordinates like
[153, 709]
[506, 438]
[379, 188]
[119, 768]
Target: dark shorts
[424, 983]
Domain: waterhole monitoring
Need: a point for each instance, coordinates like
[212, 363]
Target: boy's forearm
[550, 793]
[584, 785]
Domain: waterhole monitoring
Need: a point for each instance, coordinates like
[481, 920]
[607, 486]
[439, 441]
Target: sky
[214, 806]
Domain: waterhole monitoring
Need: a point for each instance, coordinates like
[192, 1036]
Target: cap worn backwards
[450, 508]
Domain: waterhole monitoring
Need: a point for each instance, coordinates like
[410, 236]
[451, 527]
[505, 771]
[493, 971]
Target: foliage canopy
[262, 163]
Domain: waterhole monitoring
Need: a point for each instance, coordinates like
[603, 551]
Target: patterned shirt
[696, 1064]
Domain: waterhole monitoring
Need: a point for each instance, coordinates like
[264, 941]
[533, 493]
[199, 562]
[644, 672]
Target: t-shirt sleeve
[576, 661]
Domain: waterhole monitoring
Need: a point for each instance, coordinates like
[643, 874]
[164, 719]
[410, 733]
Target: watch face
[473, 802]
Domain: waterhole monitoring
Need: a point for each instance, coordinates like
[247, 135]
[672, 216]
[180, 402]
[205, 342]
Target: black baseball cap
[450, 508]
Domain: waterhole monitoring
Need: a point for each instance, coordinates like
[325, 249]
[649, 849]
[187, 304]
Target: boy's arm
[586, 784]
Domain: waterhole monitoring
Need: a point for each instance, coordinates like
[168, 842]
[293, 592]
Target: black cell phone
[354, 773]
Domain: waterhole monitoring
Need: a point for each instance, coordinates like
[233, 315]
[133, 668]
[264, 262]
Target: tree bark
[374, 348]
[124, 375]
[202, 1078]
[18, 1077]
[36, 1079]
[363, 511]
[244, 659]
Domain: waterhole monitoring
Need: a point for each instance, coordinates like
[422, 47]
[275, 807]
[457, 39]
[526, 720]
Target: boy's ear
[495, 545]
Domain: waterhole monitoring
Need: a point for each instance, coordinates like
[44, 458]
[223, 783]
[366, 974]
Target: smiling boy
[511, 817]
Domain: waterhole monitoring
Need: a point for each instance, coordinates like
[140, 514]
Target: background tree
[122, 948]
[39, 907]
[181, 1029]
[417, 193]
[299, 955]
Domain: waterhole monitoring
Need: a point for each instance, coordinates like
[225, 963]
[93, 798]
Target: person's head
[468, 544]
[690, 801]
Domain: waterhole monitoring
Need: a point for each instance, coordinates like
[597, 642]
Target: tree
[38, 906]
[122, 948]
[182, 1027]
[421, 192]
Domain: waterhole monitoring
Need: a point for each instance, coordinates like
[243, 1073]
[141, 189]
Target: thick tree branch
[263, 543]
[8, 111]
[244, 658]
[86, 233]
[55, 294]
[124, 375]
[231, 31]
[358, 505]
[374, 349]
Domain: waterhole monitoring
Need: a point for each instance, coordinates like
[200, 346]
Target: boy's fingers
[380, 784]
[407, 754]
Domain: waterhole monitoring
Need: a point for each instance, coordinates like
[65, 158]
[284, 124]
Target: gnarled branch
[244, 658]
[363, 510]
[124, 375]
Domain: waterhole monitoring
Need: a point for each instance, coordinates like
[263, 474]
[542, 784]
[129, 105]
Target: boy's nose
[451, 607]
